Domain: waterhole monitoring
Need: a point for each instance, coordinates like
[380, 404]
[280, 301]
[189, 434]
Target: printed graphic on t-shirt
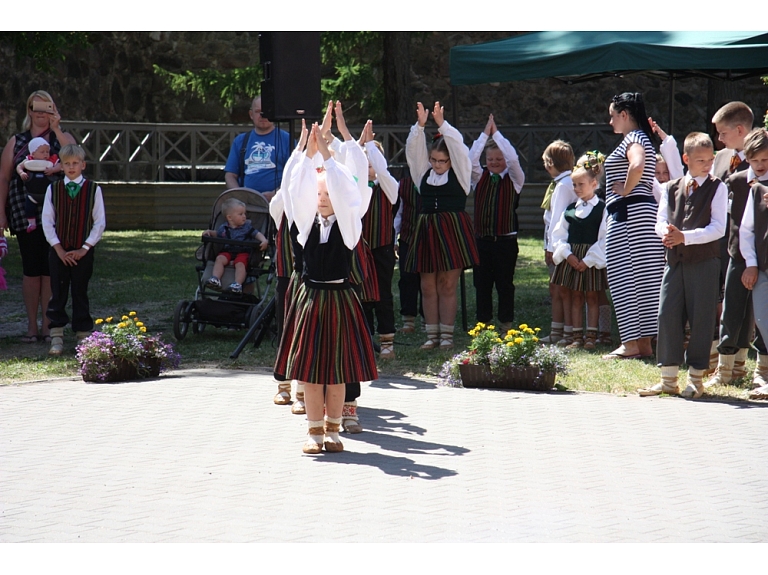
[260, 158]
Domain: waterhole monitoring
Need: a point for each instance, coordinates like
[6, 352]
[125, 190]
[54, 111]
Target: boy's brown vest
[689, 213]
[737, 198]
[761, 225]
[73, 216]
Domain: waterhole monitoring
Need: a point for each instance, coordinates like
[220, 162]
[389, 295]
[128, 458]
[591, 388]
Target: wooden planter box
[527, 378]
[126, 371]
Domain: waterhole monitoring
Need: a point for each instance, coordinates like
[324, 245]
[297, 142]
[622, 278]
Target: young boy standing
[753, 244]
[73, 222]
[690, 222]
[732, 122]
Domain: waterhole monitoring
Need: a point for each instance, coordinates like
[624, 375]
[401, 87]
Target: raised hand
[367, 134]
[304, 135]
[489, 126]
[312, 141]
[325, 127]
[341, 124]
[322, 146]
[437, 114]
[421, 114]
[657, 129]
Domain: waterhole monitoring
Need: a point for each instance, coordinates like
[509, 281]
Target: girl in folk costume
[288, 266]
[325, 342]
[497, 195]
[444, 241]
[579, 251]
[379, 234]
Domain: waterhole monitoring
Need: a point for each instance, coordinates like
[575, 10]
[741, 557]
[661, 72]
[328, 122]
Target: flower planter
[123, 370]
[527, 378]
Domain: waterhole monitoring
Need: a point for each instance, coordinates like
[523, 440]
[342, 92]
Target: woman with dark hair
[444, 240]
[634, 253]
[41, 121]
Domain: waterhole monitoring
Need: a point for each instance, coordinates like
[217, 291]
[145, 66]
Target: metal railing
[197, 152]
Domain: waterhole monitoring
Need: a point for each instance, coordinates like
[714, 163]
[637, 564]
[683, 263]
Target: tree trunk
[398, 107]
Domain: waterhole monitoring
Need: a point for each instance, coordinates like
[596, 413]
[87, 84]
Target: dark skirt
[326, 339]
[592, 279]
[442, 241]
[363, 272]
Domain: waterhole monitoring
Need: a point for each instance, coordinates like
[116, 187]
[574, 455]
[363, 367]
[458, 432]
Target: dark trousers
[280, 308]
[689, 292]
[384, 258]
[409, 285]
[737, 320]
[498, 258]
[63, 278]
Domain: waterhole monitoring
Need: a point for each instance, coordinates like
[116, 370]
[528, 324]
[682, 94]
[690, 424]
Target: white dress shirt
[714, 230]
[98, 215]
[747, 227]
[388, 184]
[595, 257]
[510, 157]
[562, 197]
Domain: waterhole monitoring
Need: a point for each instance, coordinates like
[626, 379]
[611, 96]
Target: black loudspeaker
[291, 65]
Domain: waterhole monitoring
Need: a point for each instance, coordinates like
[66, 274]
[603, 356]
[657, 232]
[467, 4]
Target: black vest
[449, 197]
[586, 230]
[329, 261]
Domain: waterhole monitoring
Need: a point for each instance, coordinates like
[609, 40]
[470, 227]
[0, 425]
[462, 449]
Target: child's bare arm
[341, 124]
[261, 238]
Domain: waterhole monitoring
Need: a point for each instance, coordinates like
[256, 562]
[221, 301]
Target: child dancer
[238, 228]
[579, 252]
[690, 222]
[497, 195]
[558, 160]
[379, 234]
[405, 224]
[34, 171]
[325, 342]
[444, 241]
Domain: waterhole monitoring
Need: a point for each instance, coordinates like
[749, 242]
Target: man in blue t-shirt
[266, 152]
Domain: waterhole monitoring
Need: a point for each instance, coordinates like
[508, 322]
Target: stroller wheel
[197, 327]
[181, 320]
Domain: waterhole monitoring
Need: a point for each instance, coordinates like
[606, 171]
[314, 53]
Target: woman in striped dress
[325, 341]
[443, 242]
[634, 253]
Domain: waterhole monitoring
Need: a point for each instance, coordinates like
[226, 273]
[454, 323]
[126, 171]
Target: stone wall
[113, 80]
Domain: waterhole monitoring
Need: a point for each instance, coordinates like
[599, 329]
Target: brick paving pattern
[204, 455]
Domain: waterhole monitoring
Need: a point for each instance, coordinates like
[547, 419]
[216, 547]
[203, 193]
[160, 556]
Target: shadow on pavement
[399, 466]
[400, 382]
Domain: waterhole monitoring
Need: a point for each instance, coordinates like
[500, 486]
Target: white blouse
[417, 155]
[595, 256]
[388, 184]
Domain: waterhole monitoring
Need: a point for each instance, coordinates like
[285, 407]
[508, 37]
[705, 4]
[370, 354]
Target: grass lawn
[150, 272]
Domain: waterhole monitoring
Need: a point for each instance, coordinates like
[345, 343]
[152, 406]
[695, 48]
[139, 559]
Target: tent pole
[462, 283]
[672, 104]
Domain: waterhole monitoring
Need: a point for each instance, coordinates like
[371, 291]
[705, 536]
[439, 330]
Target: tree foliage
[43, 48]
[351, 71]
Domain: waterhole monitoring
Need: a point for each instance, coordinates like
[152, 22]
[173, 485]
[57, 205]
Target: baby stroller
[249, 309]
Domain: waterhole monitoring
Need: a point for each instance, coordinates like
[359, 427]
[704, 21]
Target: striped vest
[73, 217]
[379, 220]
[689, 213]
[495, 206]
[411, 207]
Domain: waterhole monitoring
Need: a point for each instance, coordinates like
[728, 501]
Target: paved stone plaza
[204, 455]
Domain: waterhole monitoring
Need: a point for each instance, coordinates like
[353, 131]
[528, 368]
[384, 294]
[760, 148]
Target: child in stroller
[237, 228]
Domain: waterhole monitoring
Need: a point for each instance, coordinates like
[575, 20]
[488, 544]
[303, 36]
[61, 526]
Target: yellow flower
[109, 319]
[121, 325]
[124, 317]
[535, 338]
[529, 331]
[139, 324]
[136, 319]
[491, 327]
[498, 340]
[537, 330]
[510, 343]
[523, 325]
[480, 325]
[133, 313]
[143, 329]
[99, 321]
[518, 340]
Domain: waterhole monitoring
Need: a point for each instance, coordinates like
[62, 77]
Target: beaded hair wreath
[594, 160]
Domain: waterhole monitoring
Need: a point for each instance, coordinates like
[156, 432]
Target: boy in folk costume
[73, 222]
[497, 195]
[732, 122]
[690, 222]
[753, 245]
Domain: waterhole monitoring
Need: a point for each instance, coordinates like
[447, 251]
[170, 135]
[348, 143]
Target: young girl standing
[579, 252]
[325, 341]
[444, 241]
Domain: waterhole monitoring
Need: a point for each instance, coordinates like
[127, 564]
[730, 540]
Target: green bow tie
[495, 178]
[73, 189]
[371, 184]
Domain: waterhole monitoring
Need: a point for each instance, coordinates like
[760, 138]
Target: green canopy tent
[578, 56]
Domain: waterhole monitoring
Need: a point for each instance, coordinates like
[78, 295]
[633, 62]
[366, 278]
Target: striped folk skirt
[326, 339]
[591, 279]
[442, 241]
[635, 257]
[363, 272]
